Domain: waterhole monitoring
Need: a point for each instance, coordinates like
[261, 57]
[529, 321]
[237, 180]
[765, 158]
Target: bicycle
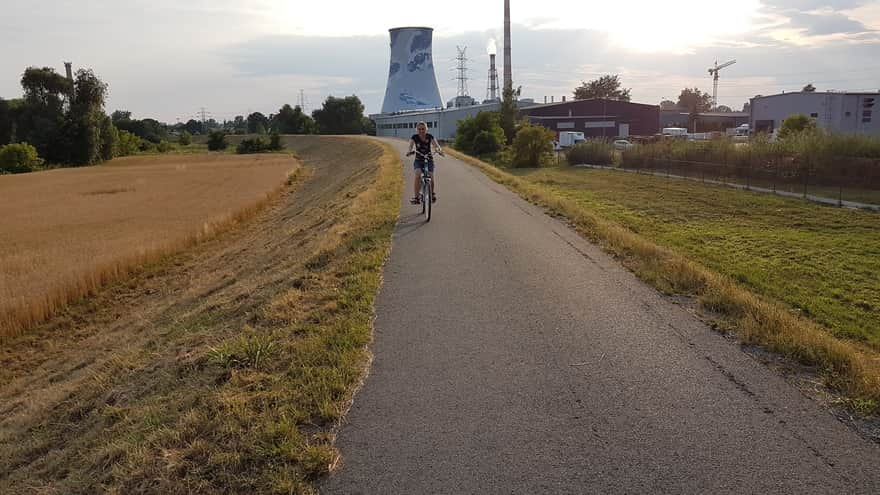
[426, 194]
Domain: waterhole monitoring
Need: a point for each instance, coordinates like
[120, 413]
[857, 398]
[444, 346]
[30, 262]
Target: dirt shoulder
[174, 380]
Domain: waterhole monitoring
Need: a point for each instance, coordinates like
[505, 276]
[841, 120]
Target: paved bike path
[511, 356]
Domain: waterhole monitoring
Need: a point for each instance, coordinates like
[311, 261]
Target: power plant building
[597, 117]
[847, 113]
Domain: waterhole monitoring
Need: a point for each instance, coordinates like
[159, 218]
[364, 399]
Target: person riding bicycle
[422, 142]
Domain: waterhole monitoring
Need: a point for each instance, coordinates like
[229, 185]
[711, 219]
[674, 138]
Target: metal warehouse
[849, 113]
[597, 117]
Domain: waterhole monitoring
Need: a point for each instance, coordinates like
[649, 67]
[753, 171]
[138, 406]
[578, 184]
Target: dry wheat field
[65, 232]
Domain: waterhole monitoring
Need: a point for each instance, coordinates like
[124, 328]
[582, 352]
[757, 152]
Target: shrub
[796, 124]
[479, 135]
[532, 146]
[185, 138]
[591, 152]
[19, 158]
[163, 146]
[217, 141]
[258, 144]
[275, 142]
[128, 144]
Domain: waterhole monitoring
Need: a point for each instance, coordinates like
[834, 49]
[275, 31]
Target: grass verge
[851, 367]
[242, 392]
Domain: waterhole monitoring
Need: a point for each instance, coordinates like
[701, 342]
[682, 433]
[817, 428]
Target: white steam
[492, 48]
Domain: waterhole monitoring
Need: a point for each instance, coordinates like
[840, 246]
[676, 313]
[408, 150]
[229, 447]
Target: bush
[19, 158]
[163, 146]
[258, 144]
[532, 146]
[185, 138]
[128, 144]
[275, 142]
[217, 141]
[479, 135]
[796, 124]
[591, 152]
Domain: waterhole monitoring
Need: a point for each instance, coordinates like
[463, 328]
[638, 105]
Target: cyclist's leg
[417, 179]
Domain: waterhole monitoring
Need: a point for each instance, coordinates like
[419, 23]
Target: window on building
[565, 125]
[866, 113]
[814, 115]
[848, 114]
[866, 120]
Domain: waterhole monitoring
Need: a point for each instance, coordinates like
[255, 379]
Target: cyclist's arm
[437, 146]
[412, 145]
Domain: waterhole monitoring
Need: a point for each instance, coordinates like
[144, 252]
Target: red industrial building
[597, 118]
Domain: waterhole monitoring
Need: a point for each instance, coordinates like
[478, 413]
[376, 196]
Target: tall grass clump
[591, 152]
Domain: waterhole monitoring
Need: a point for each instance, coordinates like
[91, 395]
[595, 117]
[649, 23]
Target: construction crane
[713, 71]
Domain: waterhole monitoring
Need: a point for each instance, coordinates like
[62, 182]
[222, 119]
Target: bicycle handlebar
[423, 155]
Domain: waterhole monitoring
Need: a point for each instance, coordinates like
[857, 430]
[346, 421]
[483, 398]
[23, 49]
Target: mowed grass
[742, 256]
[238, 389]
[66, 232]
[822, 261]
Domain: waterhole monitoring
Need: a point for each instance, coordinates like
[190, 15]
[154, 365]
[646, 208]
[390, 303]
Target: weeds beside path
[735, 269]
[223, 369]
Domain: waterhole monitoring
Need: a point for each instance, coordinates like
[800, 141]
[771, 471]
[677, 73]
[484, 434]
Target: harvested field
[66, 232]
[225, 367]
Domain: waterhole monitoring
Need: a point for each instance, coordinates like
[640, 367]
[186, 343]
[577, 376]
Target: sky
[168, 60]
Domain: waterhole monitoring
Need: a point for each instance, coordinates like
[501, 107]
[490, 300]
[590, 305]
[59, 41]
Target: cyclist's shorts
[422, 164]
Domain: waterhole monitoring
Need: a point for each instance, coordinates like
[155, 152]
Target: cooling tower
[411, 81]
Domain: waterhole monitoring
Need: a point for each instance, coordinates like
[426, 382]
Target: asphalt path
[512, 356]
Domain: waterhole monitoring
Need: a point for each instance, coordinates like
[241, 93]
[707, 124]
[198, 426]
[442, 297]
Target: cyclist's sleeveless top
[423, 147]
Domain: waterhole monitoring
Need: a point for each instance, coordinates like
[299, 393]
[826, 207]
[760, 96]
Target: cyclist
[422, 142]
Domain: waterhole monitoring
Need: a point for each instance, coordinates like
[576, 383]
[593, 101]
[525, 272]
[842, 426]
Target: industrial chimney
[492, 86]
[412, 84]
[508, 72]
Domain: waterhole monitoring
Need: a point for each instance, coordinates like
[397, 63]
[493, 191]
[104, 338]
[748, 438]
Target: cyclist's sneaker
[414, 201]
[433, 198]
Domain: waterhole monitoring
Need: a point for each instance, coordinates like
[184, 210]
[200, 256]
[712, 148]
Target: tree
[668, 105]
[480, 135]
[694, 100]
[340, 116]
[257, 123]
[369, 126]
[185, 138]
[7, 122]
[85, 120]
[747, 107]
[217, 141]
[508, 114]
[292, 120]
[723, 109]
[796, 124]
[109, 139]
[193, 126]
[532, 144]
[45, 86]
[809, 88]
[608, 87]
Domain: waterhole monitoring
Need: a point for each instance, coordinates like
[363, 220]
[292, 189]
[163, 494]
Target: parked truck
[570, 138]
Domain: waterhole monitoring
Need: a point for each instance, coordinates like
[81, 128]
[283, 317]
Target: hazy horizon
[166, 61]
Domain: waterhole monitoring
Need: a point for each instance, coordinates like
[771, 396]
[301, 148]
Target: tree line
[62, 122]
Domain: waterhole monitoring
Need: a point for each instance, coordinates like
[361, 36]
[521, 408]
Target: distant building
[848, 113]
[597, 117]
[442, 123]
[705, 121]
